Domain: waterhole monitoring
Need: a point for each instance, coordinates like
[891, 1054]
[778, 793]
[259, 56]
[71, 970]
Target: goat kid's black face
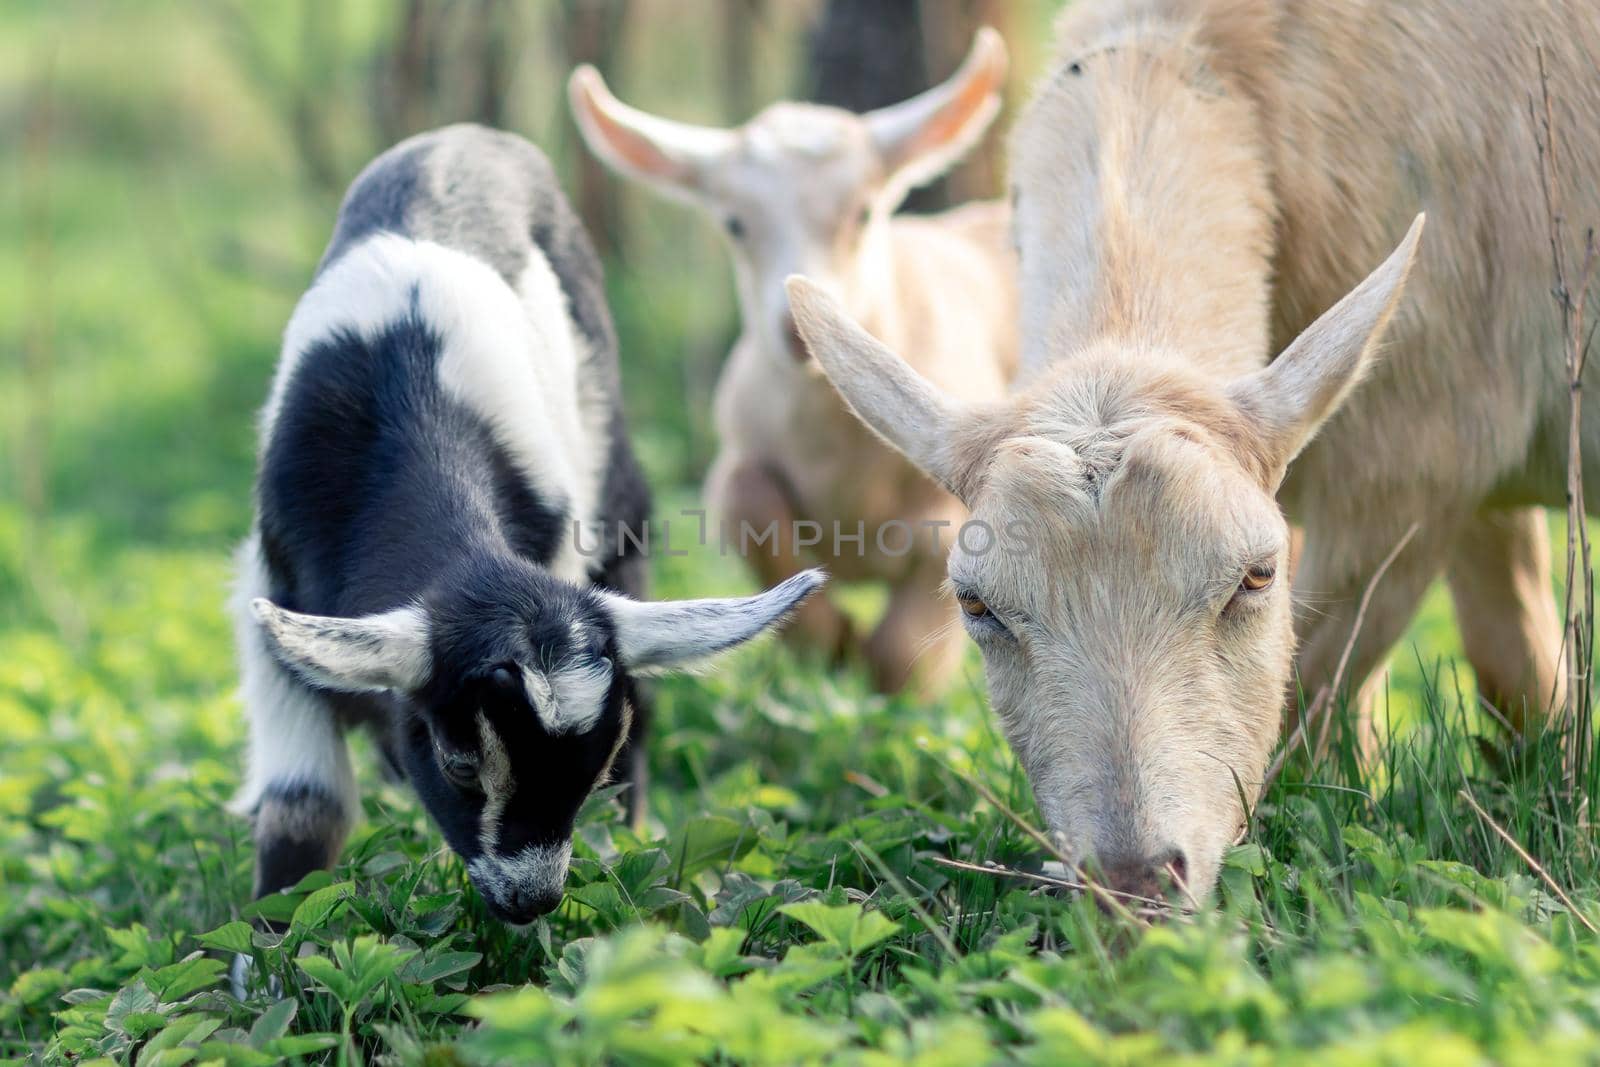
[521, 720]
[517, 702]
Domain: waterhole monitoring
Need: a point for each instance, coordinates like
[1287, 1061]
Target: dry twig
[1533, 864]
[1320, 709]
[1149, 906]
[1578, 631]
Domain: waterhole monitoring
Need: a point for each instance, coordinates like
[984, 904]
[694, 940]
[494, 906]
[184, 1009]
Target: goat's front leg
[300, 793]
[299, 790]
[752, 500]
[1506, 610]
[1335, 568]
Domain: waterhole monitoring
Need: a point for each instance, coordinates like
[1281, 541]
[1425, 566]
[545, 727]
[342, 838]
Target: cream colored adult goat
[802, 188]
[1196, 182]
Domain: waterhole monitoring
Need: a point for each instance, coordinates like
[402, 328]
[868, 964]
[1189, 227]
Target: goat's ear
[669, 155]
[1289, 399]
[367, 654]
[919, 139]
[883, 390]
[658, 636]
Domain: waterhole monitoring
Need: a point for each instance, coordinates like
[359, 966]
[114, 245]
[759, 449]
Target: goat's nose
[1149, 875]
[524, 905]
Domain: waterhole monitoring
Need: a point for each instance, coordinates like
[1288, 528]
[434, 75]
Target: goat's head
[514, 688]
[1127, 586]
[800, 188]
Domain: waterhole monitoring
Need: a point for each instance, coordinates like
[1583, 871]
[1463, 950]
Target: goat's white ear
[367, 654]
[1289, 399]
[919, 139]
[657, 636]
[879, 387]
[669, 155]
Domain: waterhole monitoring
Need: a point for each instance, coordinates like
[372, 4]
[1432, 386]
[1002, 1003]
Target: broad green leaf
[440, 967]
[273, 1023]
[180, 979]
[233, 936]
[327, 972]
[319, 908]
[846, 927]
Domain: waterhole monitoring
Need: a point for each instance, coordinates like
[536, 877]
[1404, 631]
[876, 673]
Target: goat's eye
[503, 679]
[460, 768]
[1257, 578]
[734, 227]
[973, 607]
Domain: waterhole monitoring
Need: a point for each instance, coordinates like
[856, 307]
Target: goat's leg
[1335, 568]
[918, 640]
[299, 790]
[1500, 581]
[751, 500]
[301, 793]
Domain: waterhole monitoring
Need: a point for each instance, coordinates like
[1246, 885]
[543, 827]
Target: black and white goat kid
[444, 422]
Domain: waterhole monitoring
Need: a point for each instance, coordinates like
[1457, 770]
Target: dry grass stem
[1533, 864]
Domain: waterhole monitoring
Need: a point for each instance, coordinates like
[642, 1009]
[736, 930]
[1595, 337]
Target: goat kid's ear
[1289, 399]
[883, 390]
[669, 155]
[367, 654]
[919, 139]
[658, 636]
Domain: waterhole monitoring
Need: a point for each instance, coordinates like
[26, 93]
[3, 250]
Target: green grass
[785, 905]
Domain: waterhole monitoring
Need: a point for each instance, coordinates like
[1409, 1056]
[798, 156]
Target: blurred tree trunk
[591, 32]
[450, 60]
[494, 33]
[298, 96]
[37, 399]
[739, 19]
[410, 75]
[867, 54]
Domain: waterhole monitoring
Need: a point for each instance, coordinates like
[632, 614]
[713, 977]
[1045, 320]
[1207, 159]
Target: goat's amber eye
[1257, 578]
[974, 608]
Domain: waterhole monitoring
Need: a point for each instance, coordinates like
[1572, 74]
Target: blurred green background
[172, 171]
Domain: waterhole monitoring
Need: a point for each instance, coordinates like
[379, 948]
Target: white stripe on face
[494, 775]
[571, 699]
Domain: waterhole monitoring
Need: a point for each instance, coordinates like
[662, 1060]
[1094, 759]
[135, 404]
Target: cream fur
[1197, 181]
[796, 180]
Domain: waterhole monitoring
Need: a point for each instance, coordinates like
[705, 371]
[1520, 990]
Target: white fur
[494, 774]
[538, 870]
[665, 635]
[511, 356]
[802, 188]
[578, 696]
[569, 700]
[294, 736]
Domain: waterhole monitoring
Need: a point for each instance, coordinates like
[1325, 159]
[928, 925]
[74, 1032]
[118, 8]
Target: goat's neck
[873, 292]
[1154, 229]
